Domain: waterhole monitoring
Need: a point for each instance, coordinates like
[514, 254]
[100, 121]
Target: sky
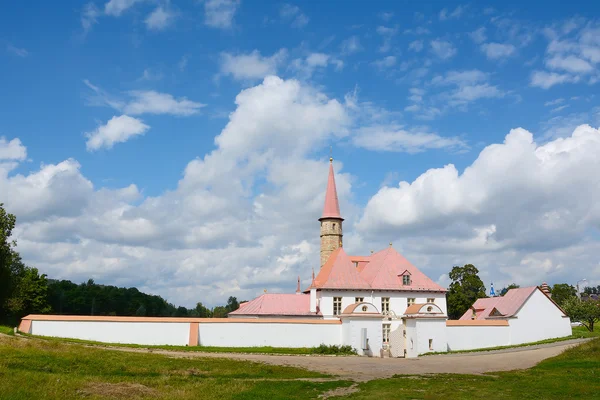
[182, 146]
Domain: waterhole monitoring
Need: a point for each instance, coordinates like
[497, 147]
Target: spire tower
[331, 219]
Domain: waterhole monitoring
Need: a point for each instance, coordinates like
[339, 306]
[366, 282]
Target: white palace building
[379, 304]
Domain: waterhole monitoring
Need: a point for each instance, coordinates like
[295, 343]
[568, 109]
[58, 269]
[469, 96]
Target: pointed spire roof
[331, 208]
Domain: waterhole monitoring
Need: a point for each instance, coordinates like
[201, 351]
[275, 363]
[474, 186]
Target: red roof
[380, 271]
[385, 269]
[331, 209]
[503, 307]
[339, 272]
[276, 304]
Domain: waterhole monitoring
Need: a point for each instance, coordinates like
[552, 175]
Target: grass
[575, 374]
[36, 369]
[323, 349]
[579, 332]
[7, 330]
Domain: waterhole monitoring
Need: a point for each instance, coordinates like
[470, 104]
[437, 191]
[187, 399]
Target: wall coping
[477, 322]
[106, 318]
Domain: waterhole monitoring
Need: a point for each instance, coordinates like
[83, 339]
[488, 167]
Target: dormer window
[406, 280]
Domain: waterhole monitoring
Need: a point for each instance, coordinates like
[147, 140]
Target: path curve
[365, 368]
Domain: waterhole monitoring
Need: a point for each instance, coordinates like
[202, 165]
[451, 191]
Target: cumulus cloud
[443, 49]
[220, 13]
[251, 66]
[12, 150]
[478, 35]
[117, 7]
[572, 55]
[160, 18]
[495, 51]
[116, 130]
[511, 212]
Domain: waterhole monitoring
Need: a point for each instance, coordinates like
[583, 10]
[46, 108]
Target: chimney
[546, 289]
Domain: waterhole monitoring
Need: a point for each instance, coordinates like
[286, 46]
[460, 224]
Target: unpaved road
[364, 368]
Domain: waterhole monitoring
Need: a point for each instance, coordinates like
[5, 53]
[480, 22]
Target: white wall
[538, 319]
[145, 333]
[476, 337]
[351, 334]
[434, 329]
[229, 334]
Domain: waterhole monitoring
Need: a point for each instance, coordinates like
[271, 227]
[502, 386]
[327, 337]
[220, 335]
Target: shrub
[334, 349]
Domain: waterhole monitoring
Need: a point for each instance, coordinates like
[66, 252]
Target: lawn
[39, 369]
[7, 330]
[49, 369]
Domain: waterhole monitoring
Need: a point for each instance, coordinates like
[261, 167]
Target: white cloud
[117, 130]
[351, 45]
[546, 80]
[12, 151]
[293, 13]
[572, 55]
[559, 108]
[144, 102]
[160, 18]
[116, 7]
[220, 13]
[554, 102]
[494, 51]
[514, 205]
[443, 49]
[305, 67]
[446, 15]
[89, 17]
[18, 51]
[416, 45]
[151, 102]
[251, 66]
[466, 87]
[385, 62]
[387, 34]
[478, 35]
[396, 138]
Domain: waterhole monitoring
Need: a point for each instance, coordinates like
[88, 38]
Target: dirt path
[365, 369]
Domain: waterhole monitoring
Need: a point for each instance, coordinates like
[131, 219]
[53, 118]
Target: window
[386, 332]
[359, 299]
[431, 300]
[385, 305]
[411, 301]
[333, 226]
[406, 280]
[337, 305]
[430, 344]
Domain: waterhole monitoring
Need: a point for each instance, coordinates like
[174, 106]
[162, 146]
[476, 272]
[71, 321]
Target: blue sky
[156, 134]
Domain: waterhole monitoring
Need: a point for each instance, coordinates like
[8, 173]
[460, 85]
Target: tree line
[23, 291]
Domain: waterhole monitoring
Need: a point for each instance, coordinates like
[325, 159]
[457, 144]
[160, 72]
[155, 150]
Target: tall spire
[331, 209]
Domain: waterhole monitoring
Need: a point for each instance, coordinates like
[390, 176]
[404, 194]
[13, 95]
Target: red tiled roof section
[507, 305]
[384, 272]
[276, 304]
[331, 209]
[339, 273]
[360, 262]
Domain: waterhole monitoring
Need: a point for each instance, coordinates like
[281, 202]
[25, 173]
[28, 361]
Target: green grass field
[50, 369]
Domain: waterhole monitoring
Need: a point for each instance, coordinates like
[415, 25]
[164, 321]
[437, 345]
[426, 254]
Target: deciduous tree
[561, 292]
[466, 287]
[585, 311]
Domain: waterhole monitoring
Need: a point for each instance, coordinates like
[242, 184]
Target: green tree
[561, 292]
[10, 262]
[232, 304]
[466, 287]
[220, 312]
[506, 289]
[30, 295]
[585, 311]
[202, 312]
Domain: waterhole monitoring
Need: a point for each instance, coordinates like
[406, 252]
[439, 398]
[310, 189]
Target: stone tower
[331, 220]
